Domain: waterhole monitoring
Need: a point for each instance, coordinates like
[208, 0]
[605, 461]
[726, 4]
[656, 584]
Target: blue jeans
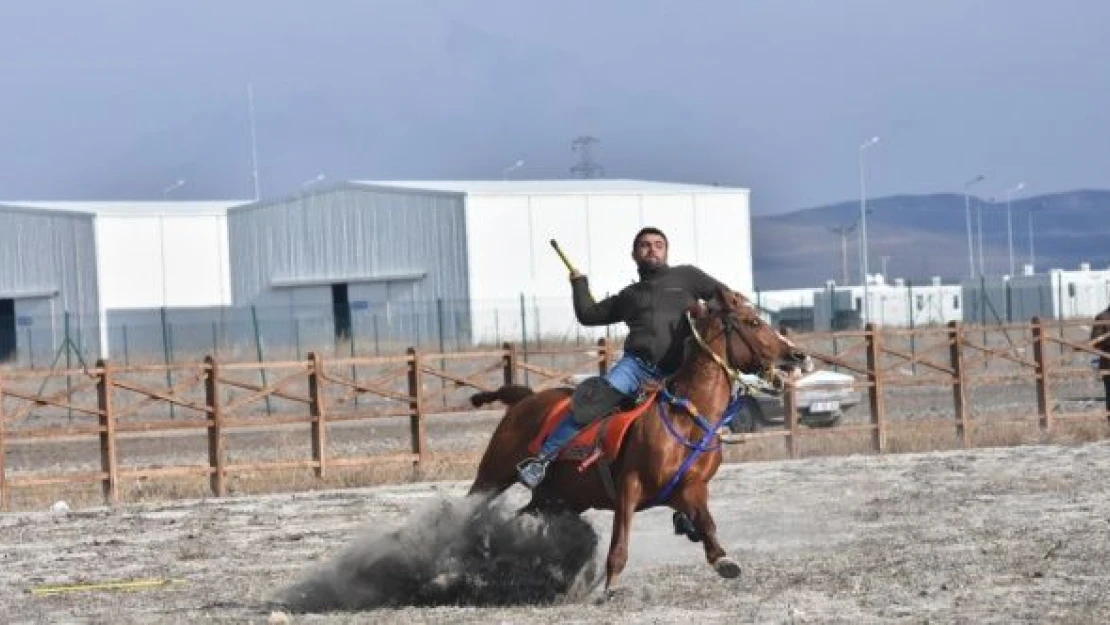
[630, 373]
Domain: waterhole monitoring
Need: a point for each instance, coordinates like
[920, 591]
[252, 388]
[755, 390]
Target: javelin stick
[566, 261]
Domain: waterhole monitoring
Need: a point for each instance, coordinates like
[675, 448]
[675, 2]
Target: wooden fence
[107, 404]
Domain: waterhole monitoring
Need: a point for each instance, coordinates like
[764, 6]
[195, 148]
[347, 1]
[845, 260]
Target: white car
[822, 398]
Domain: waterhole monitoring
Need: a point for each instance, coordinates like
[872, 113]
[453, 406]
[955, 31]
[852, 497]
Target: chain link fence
[269, 333]
[165, 335]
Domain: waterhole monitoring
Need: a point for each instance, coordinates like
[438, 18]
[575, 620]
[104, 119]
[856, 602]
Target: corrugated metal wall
[48, 266]
[399, 252]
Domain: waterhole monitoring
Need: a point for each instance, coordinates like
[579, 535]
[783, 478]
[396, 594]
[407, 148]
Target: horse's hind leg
[497, 468]
[491, 485]
[694, 502]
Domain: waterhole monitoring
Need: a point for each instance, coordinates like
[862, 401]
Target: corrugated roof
[127, 208]
[10, 207]
[555, 187]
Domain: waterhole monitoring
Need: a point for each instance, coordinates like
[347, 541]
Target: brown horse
[1100, 340]
[669, 453]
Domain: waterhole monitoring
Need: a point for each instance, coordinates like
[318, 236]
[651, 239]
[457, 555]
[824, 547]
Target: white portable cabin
[1054, 294]
[901, 304]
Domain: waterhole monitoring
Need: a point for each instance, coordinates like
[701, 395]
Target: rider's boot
[532, 470]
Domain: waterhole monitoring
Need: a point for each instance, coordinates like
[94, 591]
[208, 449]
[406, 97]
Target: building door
[7, 329]
[341, 304]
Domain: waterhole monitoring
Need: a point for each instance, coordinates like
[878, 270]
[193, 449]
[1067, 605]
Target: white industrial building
[471, 260]
[151, 255]
[47, 269]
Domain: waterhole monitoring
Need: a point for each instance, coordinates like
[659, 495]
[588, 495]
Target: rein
[706, 443]
[766, 373]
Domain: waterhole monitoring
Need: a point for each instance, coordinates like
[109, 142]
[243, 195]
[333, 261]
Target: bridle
[765, 371]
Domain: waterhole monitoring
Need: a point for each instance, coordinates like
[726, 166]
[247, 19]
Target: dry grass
[816, 443]
[163, 489]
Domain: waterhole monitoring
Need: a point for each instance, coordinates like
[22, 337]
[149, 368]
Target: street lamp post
[979, 233]
[967, 213]
[863, 228]
[1010, 222]
[844, 231]
[1032, 256]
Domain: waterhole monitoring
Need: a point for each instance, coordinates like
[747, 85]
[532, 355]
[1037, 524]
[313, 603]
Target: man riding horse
[654, 310]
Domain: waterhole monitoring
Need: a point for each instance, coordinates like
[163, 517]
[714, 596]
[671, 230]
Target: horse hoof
[727, 568]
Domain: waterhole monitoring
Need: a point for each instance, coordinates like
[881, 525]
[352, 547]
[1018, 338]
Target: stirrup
[532, 471]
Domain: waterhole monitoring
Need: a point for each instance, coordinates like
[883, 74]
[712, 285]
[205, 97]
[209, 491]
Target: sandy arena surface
[996, 535]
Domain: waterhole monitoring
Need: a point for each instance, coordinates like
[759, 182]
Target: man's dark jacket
[653, 310]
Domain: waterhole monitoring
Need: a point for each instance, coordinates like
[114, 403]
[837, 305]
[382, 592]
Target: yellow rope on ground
[133, 584]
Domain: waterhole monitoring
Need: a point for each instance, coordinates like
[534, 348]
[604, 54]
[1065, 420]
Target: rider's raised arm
[589, 312]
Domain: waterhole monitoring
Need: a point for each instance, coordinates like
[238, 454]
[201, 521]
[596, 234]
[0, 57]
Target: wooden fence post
[317, 408]
[5, 496]
[109, 463]
[604, 356]
[790, 408]
[416, 407]
[508, 360]
[1040, 356]
[875, 387]
[217, 458]
[959, 381]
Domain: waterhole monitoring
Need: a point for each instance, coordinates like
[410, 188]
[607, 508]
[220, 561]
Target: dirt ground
[1002, 535]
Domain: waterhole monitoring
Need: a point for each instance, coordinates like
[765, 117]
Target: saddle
[602, 438]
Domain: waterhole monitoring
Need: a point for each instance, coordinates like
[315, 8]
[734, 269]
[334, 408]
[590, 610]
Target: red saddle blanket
[585, 447]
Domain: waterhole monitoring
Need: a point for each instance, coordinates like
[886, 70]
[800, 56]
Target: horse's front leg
[694, 502]
[622, 528]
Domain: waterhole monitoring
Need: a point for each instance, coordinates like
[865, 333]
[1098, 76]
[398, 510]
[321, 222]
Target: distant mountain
[923, 236]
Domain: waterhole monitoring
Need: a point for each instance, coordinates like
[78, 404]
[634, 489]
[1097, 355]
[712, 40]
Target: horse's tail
[508, 394]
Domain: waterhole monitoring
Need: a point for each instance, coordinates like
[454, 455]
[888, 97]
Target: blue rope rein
[698, 448]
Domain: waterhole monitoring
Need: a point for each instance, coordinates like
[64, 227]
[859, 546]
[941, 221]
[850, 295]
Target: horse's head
[733, 330]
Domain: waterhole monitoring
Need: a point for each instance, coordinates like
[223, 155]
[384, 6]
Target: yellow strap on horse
[733, 374]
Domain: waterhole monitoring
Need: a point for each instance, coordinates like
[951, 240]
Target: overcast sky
[118, 99]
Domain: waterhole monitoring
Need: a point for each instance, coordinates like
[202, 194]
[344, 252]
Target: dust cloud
[456, 551]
